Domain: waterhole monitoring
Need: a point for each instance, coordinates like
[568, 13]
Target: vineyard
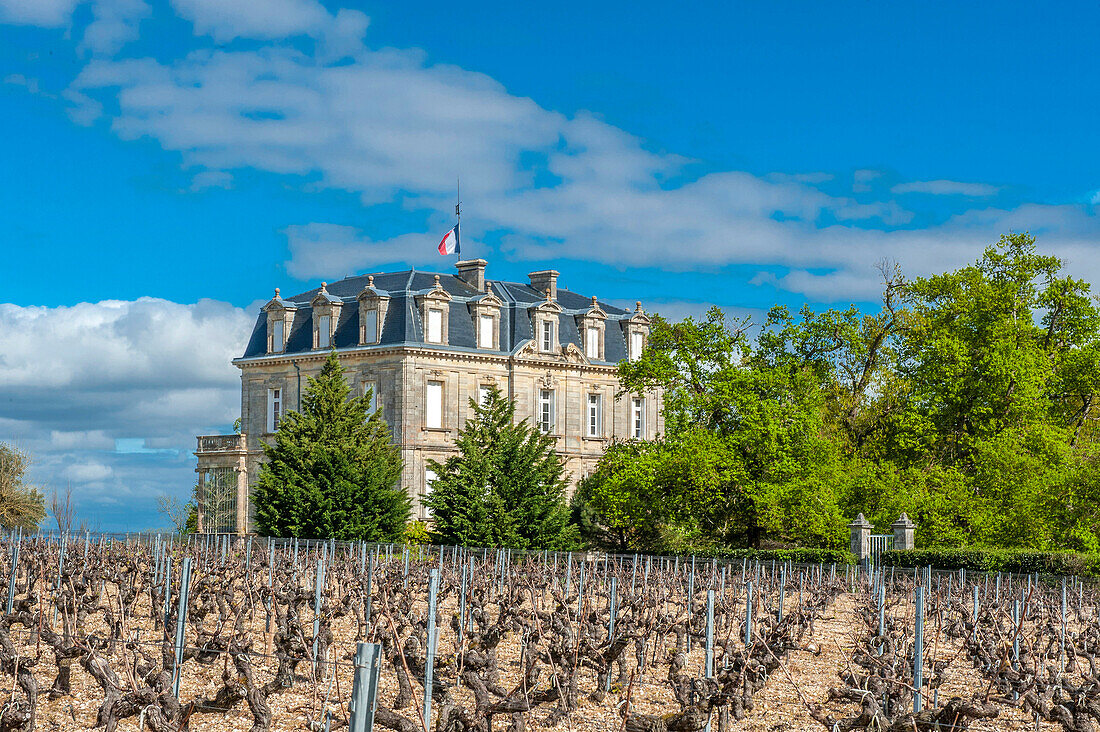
[94, 637]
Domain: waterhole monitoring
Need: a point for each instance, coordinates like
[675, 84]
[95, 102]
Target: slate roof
[403, 326]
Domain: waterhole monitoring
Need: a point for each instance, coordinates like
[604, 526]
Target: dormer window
[280, 314]
[547, 342]
[326, 314]
[636, 330]
[485, 310]
[434, 308]
[373, 304]
[435, 326]
[591, 325]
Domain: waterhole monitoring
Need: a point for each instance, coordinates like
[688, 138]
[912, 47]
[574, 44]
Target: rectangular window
[429, 478]
[370, 326]
[592, 343]
[433, 409]
[635, 345]
[482, 395]
[324, 331]
[485, 331]
[371, 388]
[594, 416]
[435, 326]
[278, 342]
[547, 336]
[546, 410]
[274, 408]
[637, 418]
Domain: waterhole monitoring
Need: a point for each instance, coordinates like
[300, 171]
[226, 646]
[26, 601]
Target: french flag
[450, 243]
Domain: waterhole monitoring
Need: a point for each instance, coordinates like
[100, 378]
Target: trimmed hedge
[1020, 561]
[798, 556]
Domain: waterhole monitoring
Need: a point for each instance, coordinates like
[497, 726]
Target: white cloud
[74, 380]
[86, 472]
[50, 13]
[210, 179]
[946, 188]
[115, 23]
[390, 126]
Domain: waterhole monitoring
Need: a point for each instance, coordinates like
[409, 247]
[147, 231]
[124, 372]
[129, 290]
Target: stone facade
[424, 374]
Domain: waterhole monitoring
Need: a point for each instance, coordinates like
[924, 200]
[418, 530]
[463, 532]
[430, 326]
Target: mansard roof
[403, 324]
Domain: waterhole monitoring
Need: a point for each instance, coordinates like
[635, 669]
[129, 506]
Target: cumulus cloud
[77, 380]
[393, 127]
[115, 23]
[947, 188]
[50, 13]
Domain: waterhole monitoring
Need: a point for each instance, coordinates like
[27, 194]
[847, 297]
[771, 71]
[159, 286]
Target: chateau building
[424, 345]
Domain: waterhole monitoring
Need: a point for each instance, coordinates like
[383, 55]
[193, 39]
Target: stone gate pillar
[861, 537]
[903, 533]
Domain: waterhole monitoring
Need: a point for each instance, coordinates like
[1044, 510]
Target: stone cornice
[533, 361]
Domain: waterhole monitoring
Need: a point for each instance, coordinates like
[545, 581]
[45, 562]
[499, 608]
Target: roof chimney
[472, 272]
[544, 280]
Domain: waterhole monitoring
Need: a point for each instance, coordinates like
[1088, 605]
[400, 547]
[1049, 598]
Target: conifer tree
[505, 487]
[332, 472]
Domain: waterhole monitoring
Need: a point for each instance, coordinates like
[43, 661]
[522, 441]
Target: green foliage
[416, 533]
[504, 487]
[968, 400]
[22, 506]
[998, 560]
[332, 471]
[798, 556]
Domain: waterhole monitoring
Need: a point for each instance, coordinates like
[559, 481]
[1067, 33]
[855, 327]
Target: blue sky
[168, 163]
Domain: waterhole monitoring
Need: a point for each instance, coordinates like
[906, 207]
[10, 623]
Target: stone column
[903, 533]
[200, 500]
[861, 537]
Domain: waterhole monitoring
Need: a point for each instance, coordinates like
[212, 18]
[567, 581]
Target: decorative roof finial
[370, 280]
[547, 294]
[638, 306]
[276, 293]
[324, 285]
[594, 301]
[437, 285]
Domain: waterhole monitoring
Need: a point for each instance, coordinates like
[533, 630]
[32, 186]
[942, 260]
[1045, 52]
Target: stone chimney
[472, 272]
[544, 280]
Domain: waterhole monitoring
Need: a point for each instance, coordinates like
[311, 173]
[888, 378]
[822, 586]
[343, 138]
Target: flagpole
[458, 206]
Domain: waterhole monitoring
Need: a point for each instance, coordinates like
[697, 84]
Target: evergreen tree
[505, 487]
[332, 471]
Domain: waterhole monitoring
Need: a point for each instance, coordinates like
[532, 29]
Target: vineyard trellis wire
[538, 639]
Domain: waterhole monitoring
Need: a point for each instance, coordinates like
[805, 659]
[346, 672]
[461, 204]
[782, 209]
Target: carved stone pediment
[574, 355]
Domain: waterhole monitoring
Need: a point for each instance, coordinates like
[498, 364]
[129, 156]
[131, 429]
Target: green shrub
[799, 556]
[1020, 561]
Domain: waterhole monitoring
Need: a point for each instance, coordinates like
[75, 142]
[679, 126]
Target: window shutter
[433, 412]
[485, 331]
[435, 326]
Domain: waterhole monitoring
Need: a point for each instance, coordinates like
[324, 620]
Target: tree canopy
[332, 471]
[967, 400]
[22, 506]
[505, 486]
